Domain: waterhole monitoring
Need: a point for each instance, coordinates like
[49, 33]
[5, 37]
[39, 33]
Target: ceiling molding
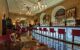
[17, 14]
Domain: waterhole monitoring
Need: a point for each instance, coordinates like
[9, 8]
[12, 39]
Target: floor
[26, 43]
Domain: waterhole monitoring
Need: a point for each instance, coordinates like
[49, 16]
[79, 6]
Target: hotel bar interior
[39, 24]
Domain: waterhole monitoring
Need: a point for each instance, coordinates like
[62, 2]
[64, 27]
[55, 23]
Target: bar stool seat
[52, 30]
[61, 31]
[40, 29]
[45, 29]
[75, 32]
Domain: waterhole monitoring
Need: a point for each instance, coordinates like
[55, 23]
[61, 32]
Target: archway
[41, 18]
[55, 12]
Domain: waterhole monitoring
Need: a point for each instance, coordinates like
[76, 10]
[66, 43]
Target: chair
[41, 30]
[45, 30]
[53, 34]
[52, 31]
[61, 31]
[75, 32]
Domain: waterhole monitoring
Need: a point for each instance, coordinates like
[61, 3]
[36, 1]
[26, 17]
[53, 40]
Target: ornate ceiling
[18, 6]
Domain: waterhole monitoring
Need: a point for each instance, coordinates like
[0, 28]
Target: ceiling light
[39, 5]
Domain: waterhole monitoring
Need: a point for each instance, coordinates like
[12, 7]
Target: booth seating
[75, 32]
[61, 31]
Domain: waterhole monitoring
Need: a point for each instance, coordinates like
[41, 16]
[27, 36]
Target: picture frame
[71, 17]
[71, 12]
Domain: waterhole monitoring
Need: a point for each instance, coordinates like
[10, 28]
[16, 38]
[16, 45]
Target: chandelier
[29, 11]
[40, 5]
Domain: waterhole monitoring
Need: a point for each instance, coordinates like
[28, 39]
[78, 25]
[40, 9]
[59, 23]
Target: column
[3, 10]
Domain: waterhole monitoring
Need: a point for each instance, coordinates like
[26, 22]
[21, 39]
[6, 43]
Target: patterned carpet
[26, 43]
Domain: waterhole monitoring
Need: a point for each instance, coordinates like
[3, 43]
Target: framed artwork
[71, 12]
[71, 17]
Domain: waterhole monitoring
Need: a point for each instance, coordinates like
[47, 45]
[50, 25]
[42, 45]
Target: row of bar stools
[61, 31]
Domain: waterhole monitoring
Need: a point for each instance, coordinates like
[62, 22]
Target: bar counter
[68, 39]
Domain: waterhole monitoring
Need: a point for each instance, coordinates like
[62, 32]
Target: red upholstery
[2, 38]
[61, 31]
[52, 30]
[45, 29]
[40, 29]
[76, 32]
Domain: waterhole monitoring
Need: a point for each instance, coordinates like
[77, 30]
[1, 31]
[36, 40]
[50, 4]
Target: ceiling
[18, 6]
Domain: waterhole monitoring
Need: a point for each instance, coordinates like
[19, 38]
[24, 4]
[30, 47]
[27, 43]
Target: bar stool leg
[55, 41]
[73, 42]
[64, 44]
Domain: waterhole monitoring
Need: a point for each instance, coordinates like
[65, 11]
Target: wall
[29, 19]
[67, 4]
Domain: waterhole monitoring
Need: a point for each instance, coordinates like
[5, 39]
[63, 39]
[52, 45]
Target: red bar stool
[52, 31]
[53, 35]
[35, 29]
[45, 30]
[61, 31]
[41, 31]
[74, 33]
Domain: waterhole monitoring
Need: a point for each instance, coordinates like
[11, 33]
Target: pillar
[3, 10]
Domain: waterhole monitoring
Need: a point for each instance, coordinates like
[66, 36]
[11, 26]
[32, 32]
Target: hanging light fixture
[27, 9]
[39, 5]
